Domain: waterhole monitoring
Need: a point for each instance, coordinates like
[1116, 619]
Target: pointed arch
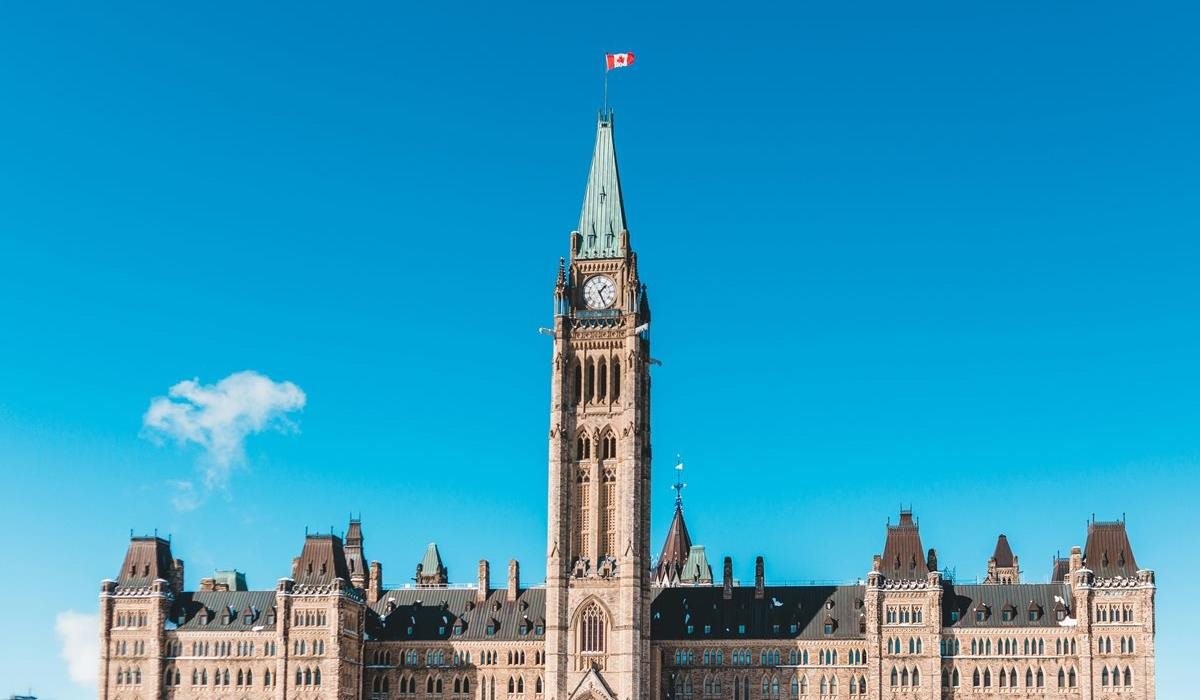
[591, 624]
[589, 381]
[608, 512]
[602, 380]
[616, 379]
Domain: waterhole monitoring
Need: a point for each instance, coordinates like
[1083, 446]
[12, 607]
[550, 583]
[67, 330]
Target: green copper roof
[432, 563]
[603, 217]
[235, 580]
[696, 569]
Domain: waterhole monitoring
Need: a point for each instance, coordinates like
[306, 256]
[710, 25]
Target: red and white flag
[618, 60]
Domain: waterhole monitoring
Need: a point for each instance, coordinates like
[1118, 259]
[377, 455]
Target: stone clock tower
[598, 557]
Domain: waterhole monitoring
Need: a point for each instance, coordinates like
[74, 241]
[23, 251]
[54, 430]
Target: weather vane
[679, 485]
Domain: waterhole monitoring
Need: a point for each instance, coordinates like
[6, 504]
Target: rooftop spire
[431, 571]
[602, 220]
[678, 546]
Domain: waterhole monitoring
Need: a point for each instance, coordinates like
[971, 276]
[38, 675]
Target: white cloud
[184, 496]
[79, 645]
[219, 417]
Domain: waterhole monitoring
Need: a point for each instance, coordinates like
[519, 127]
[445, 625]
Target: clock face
[599, 292]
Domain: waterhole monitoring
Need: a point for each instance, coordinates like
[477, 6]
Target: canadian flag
[618, 60]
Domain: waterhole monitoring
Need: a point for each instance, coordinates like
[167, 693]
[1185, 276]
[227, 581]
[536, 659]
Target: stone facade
[611, 623]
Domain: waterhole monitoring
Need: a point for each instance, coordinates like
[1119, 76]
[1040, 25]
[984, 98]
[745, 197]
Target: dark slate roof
[676, 548]
[673, 609]
[1108, 553]
[1003, 554]
[965, 598]
[147, 559]
[903, 557]
[322, 560]
[189, 604]
[602, 219]
[1062, 567]
[428, 609]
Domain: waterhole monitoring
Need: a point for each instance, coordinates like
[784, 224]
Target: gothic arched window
[608, 513]
[616, 379]
[592, 630]
[589, 382]
[602, 380]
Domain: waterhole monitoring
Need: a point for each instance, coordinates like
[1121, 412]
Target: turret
[356, 561]
[903, 557]
[1003, 565]
[431, 572]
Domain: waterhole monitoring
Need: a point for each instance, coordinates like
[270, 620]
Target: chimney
[758, 578]
[727, 578]
[177, 577]
[514, 579]
[375, 583]
[1076, 562]
[208, 584]
[481, 592]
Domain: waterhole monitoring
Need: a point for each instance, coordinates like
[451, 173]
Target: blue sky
[942, 255]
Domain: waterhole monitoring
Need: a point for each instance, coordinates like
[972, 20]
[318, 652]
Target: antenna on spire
[679, 485]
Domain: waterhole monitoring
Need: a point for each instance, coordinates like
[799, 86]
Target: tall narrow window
[592, 629]
[608, 510]
[577, 383]
[583, 507]
[616, 379]
[589, 382]
[602, 380]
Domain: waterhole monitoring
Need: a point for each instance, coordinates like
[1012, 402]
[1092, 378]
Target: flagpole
[606, 87]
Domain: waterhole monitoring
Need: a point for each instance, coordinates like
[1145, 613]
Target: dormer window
[271, 617]
[491, 628]
[981, 613]
[1008, 613]
[954, 616]
[830, 625]
[1034, 613]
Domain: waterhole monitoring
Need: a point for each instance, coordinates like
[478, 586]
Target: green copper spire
[432, 562]
[602, 221]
